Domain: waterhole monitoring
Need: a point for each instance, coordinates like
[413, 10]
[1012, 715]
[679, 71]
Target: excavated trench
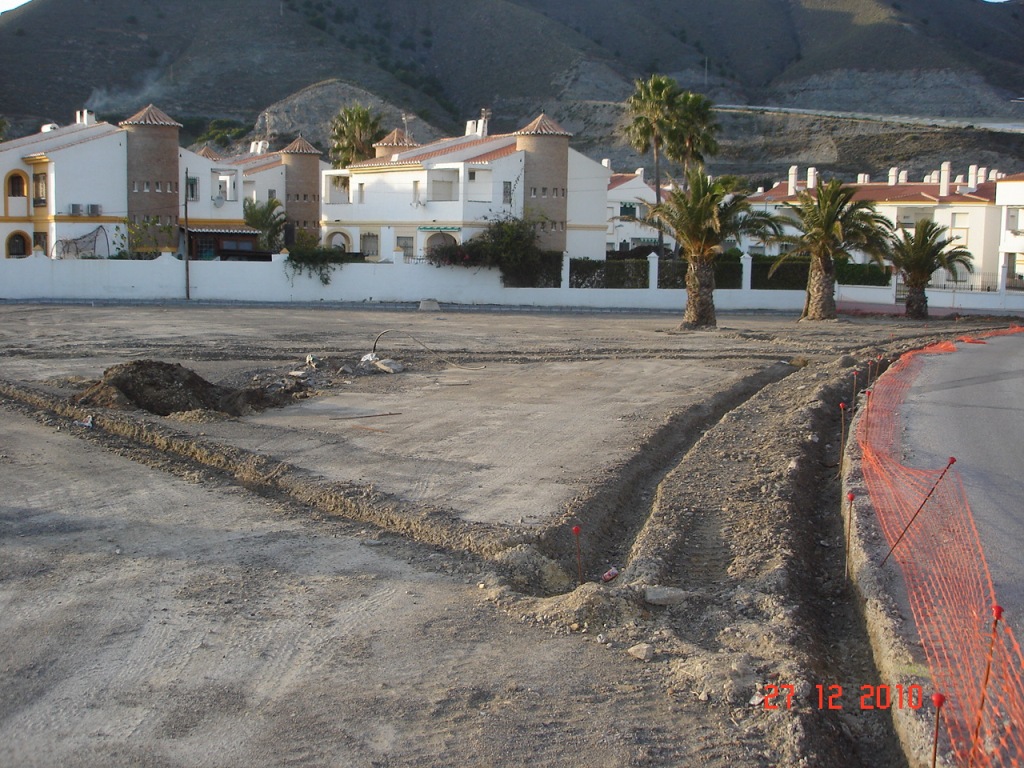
[642, 519]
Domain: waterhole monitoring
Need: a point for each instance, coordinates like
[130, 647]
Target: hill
[443, 60]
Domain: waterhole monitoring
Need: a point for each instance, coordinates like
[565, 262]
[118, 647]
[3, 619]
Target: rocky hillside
[286, 66]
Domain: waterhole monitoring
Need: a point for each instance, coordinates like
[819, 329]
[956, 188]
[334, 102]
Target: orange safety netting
[973, 657]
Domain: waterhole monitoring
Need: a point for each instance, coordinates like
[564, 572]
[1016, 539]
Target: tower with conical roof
[302, 186]
[546, 178]
[152, 148]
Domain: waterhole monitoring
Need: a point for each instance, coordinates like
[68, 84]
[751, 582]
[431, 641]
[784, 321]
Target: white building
[630, 197]
[1010, 200]
[85, 190]
[411, 198]
[965, 205]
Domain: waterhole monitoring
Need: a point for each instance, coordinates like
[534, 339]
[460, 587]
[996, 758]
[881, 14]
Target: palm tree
[701, 217]
[917, 256]
[353, 132]
[651, 111]
[692, 136]
[269, 218]
[831, 224]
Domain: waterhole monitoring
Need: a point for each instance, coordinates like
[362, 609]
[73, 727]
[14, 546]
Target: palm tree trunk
[917, 302]
[700, 296]
[821, 291]
[657, 193]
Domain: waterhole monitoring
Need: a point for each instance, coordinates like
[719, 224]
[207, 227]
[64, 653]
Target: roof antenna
[406, 117]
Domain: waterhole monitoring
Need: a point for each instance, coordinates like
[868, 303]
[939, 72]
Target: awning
[439, 229]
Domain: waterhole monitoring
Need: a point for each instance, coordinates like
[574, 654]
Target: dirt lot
[383, 571]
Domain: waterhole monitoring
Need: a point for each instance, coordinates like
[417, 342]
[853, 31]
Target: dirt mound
[166, 388]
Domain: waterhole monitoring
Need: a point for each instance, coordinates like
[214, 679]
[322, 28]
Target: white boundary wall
[163, 279]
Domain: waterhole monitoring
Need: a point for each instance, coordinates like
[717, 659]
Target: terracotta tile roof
[923, 193]
[73, 139]
[397, 138]
[495, 154]
[151, 116]
[440, 148]
[208, 153]
[300, 147]
[618, 179]
[272, 162]
[542, 126]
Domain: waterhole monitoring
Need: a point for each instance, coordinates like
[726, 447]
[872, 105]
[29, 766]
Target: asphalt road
[970, 405]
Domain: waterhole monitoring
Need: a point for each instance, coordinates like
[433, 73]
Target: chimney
[793, 171]
[982, 174]
[812, 178]
[471, 127]
[607, 163]
[894, 173]
[903, 177]
[639, 173]
[944, 174]
[863, 178]
[972, 176]
[85, 117]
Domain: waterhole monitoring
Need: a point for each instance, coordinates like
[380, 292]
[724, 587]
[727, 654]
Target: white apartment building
[410, 198]
[76, 191]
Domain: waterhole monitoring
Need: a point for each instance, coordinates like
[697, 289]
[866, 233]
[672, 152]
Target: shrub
[317, 261]
[618, 273]
[861, 274]
[510, 244]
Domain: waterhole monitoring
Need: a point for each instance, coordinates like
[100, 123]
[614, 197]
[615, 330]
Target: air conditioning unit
[76, 209]
[95, 209]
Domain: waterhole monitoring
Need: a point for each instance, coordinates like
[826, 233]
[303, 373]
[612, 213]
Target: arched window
[17, 246]
[16, 186]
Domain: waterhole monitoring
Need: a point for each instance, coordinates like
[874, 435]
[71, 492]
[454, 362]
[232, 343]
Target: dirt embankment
[721, 517]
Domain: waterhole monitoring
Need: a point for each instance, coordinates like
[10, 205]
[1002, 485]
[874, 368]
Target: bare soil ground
[382, 571]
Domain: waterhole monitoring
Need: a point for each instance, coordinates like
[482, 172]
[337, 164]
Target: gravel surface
[382, 571]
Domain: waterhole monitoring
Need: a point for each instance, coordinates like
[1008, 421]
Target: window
[145, 186]
[960, 226]
[472, 175]
[170, 186]
[361, 198]
[369, 244]
[159, 187]
[16, 186]
[533, 191]
[39, 240]
[192, 189]
[506, 192]
[38, 189]
[406, 244]
[627, 209]
[305, 198]
[135, 186]
[415, 192]
[271, 195]
[17, 245]
[543, 191]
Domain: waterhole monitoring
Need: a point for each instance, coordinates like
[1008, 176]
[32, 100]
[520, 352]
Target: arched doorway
[339, 240]
[440, 240]
[17, 246]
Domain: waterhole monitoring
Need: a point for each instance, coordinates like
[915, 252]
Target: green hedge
[619, 273]
[728, 273]
[862, 274]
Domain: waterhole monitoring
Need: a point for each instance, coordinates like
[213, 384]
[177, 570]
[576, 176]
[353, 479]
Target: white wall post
[652, 270]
